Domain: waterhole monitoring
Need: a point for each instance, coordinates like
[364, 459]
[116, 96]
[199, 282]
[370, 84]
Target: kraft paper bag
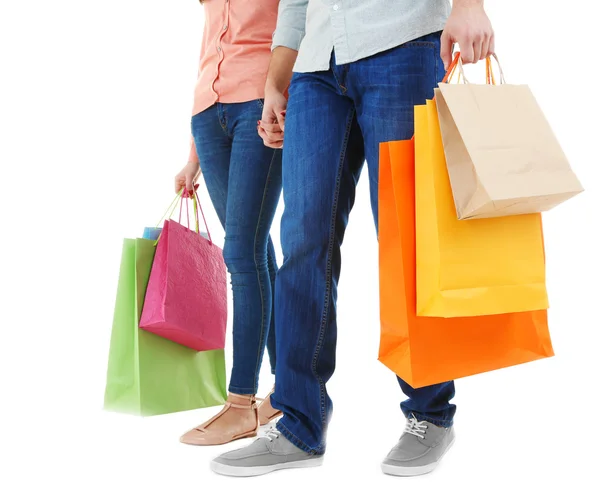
[502, 156]
[147, 374]
[424, 350]
[475, 267]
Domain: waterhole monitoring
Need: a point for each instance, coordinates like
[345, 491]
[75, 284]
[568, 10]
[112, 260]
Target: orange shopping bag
[427, 350]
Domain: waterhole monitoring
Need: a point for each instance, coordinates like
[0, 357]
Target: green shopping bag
[147, 374]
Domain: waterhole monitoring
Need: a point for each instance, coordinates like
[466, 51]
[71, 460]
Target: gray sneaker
[265, 455]
[419, 450]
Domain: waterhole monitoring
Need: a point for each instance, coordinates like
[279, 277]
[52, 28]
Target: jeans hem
[446, 423]
[289, 435]
[242, 391]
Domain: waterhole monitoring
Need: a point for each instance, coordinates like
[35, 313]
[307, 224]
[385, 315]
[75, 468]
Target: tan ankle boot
[238, 419]
[266, 413]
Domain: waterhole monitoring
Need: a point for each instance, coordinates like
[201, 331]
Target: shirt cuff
[288, 37]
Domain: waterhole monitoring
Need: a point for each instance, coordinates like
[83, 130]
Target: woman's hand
[188, 176]
[271, 126]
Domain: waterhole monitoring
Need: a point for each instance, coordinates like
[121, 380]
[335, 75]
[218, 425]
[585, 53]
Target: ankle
[238, 399]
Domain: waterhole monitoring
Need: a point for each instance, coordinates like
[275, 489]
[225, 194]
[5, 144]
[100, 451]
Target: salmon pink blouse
[236, 48]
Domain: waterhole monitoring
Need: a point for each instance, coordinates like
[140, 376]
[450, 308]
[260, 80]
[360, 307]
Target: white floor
[525, 428]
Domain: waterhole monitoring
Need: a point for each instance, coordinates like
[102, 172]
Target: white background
[94, 116]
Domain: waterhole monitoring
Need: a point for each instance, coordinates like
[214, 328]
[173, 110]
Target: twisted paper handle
[489, 73]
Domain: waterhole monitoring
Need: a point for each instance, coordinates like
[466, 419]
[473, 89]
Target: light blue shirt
[356, 29]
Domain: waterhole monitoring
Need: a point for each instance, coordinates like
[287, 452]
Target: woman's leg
[214, 145]
[243, 178]
[253, 195]
[229, 148]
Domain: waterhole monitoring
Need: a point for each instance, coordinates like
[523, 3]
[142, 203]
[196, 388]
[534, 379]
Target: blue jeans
[243, 178]
[336, 119]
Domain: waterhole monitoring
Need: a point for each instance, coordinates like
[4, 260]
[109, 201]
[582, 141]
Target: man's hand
[272, 124]
[470, 27]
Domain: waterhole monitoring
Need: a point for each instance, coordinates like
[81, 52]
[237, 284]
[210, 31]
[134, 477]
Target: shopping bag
[503, 158]
[148, 375]
[152, 233]
[426, 350]
[155, 232]
[469, 268]
[186, 300]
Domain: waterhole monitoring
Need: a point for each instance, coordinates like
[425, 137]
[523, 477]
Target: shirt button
[218, 48]
[336, 7]
[225, 27]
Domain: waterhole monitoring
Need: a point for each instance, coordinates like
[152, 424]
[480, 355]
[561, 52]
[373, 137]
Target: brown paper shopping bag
[502, 156]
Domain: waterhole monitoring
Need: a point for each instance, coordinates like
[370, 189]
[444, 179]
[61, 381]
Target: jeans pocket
[261, 103]
[428, 41]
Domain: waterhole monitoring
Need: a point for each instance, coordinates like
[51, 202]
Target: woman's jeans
[243, 178]
[335, 120]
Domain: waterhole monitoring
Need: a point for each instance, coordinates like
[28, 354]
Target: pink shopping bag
[186, 299]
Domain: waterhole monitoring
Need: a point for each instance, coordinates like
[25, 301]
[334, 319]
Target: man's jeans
[243, 178]
[336, 119]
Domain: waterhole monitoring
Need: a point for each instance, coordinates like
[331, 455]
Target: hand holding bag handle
[489, 74]
[185, 194]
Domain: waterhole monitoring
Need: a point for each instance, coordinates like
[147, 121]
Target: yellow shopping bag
[469, 268]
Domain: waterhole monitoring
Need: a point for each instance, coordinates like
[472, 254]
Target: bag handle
[489, 73]
[197, 205]
[179, 197]
[457, 63]
[187, 206]
[451, 68]
[170, 209]
[449, 74]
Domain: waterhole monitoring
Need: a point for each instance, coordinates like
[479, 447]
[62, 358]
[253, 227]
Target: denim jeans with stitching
[335, 120]
[243, 178]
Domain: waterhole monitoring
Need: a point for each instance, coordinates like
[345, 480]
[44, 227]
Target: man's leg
[323, 155]
[386, 88]
[272, 265]
[322, 158]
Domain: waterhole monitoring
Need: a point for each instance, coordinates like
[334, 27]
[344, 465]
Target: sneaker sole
[255, 471]
[413, 471]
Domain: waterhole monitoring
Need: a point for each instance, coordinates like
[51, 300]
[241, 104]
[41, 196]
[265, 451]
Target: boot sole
[255, 471]
[413, 471]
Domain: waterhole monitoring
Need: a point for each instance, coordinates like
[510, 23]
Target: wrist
[273, 86]
[467, 4]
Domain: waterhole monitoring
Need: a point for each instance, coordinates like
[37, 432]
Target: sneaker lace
[272, 434]
[416, 428]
